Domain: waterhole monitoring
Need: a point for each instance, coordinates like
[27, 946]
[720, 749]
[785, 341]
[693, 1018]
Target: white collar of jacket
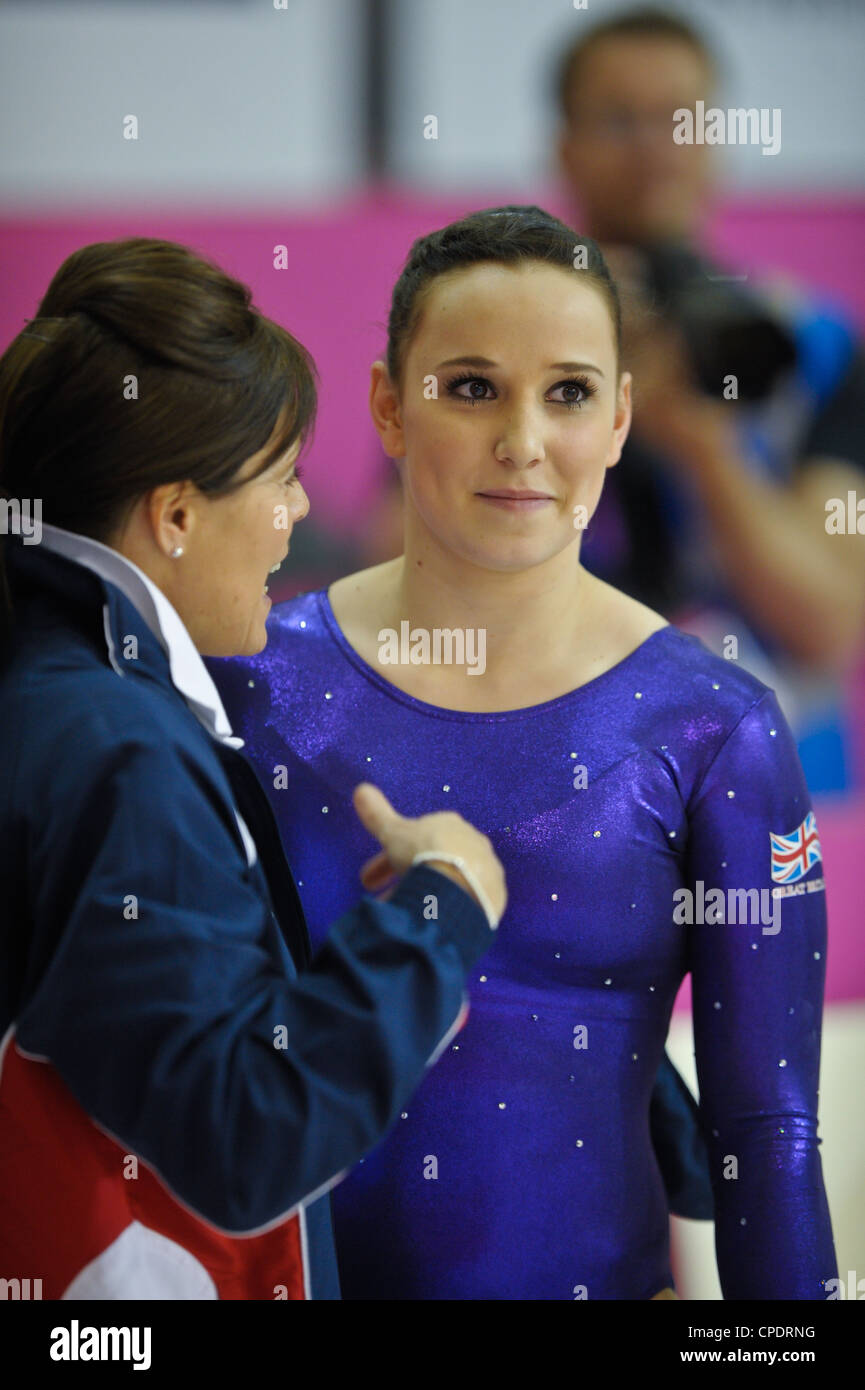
[189, 675]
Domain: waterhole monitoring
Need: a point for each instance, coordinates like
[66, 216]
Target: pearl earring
[176, 552]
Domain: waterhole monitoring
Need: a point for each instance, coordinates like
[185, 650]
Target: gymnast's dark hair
[510, 235]
[215, 381]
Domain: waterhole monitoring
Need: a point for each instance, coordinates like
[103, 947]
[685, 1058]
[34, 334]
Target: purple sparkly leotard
[523, 1168]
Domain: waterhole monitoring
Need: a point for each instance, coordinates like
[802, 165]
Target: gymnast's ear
[385, 409]
[621, 419]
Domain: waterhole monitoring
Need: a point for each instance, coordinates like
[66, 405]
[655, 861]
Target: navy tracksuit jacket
[180, 1084]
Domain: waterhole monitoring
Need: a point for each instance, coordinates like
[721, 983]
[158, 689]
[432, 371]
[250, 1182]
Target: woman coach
[180, 1084]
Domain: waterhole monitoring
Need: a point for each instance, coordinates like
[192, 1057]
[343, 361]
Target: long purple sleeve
[757, 1001]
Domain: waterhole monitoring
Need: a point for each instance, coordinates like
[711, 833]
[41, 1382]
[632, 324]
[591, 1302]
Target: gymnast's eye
[472, 381]
[570, 385]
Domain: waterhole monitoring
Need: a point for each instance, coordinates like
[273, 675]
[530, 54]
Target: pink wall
[334, 295]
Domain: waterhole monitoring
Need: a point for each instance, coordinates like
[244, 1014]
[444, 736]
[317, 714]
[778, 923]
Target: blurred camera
[728, 331]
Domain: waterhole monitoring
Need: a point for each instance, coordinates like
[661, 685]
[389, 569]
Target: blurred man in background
[717, 511]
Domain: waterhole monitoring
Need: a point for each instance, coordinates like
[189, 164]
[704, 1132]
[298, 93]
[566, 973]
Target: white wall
[240, 102]
[235, 101]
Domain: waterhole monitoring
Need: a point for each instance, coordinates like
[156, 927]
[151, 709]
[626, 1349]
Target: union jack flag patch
[793, 855]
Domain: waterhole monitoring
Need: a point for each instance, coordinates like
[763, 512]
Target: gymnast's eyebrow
[488, 362]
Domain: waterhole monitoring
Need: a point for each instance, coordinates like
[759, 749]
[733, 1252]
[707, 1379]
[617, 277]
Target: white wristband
[467, 873]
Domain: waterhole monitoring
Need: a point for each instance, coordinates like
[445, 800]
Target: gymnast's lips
[516, 499]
